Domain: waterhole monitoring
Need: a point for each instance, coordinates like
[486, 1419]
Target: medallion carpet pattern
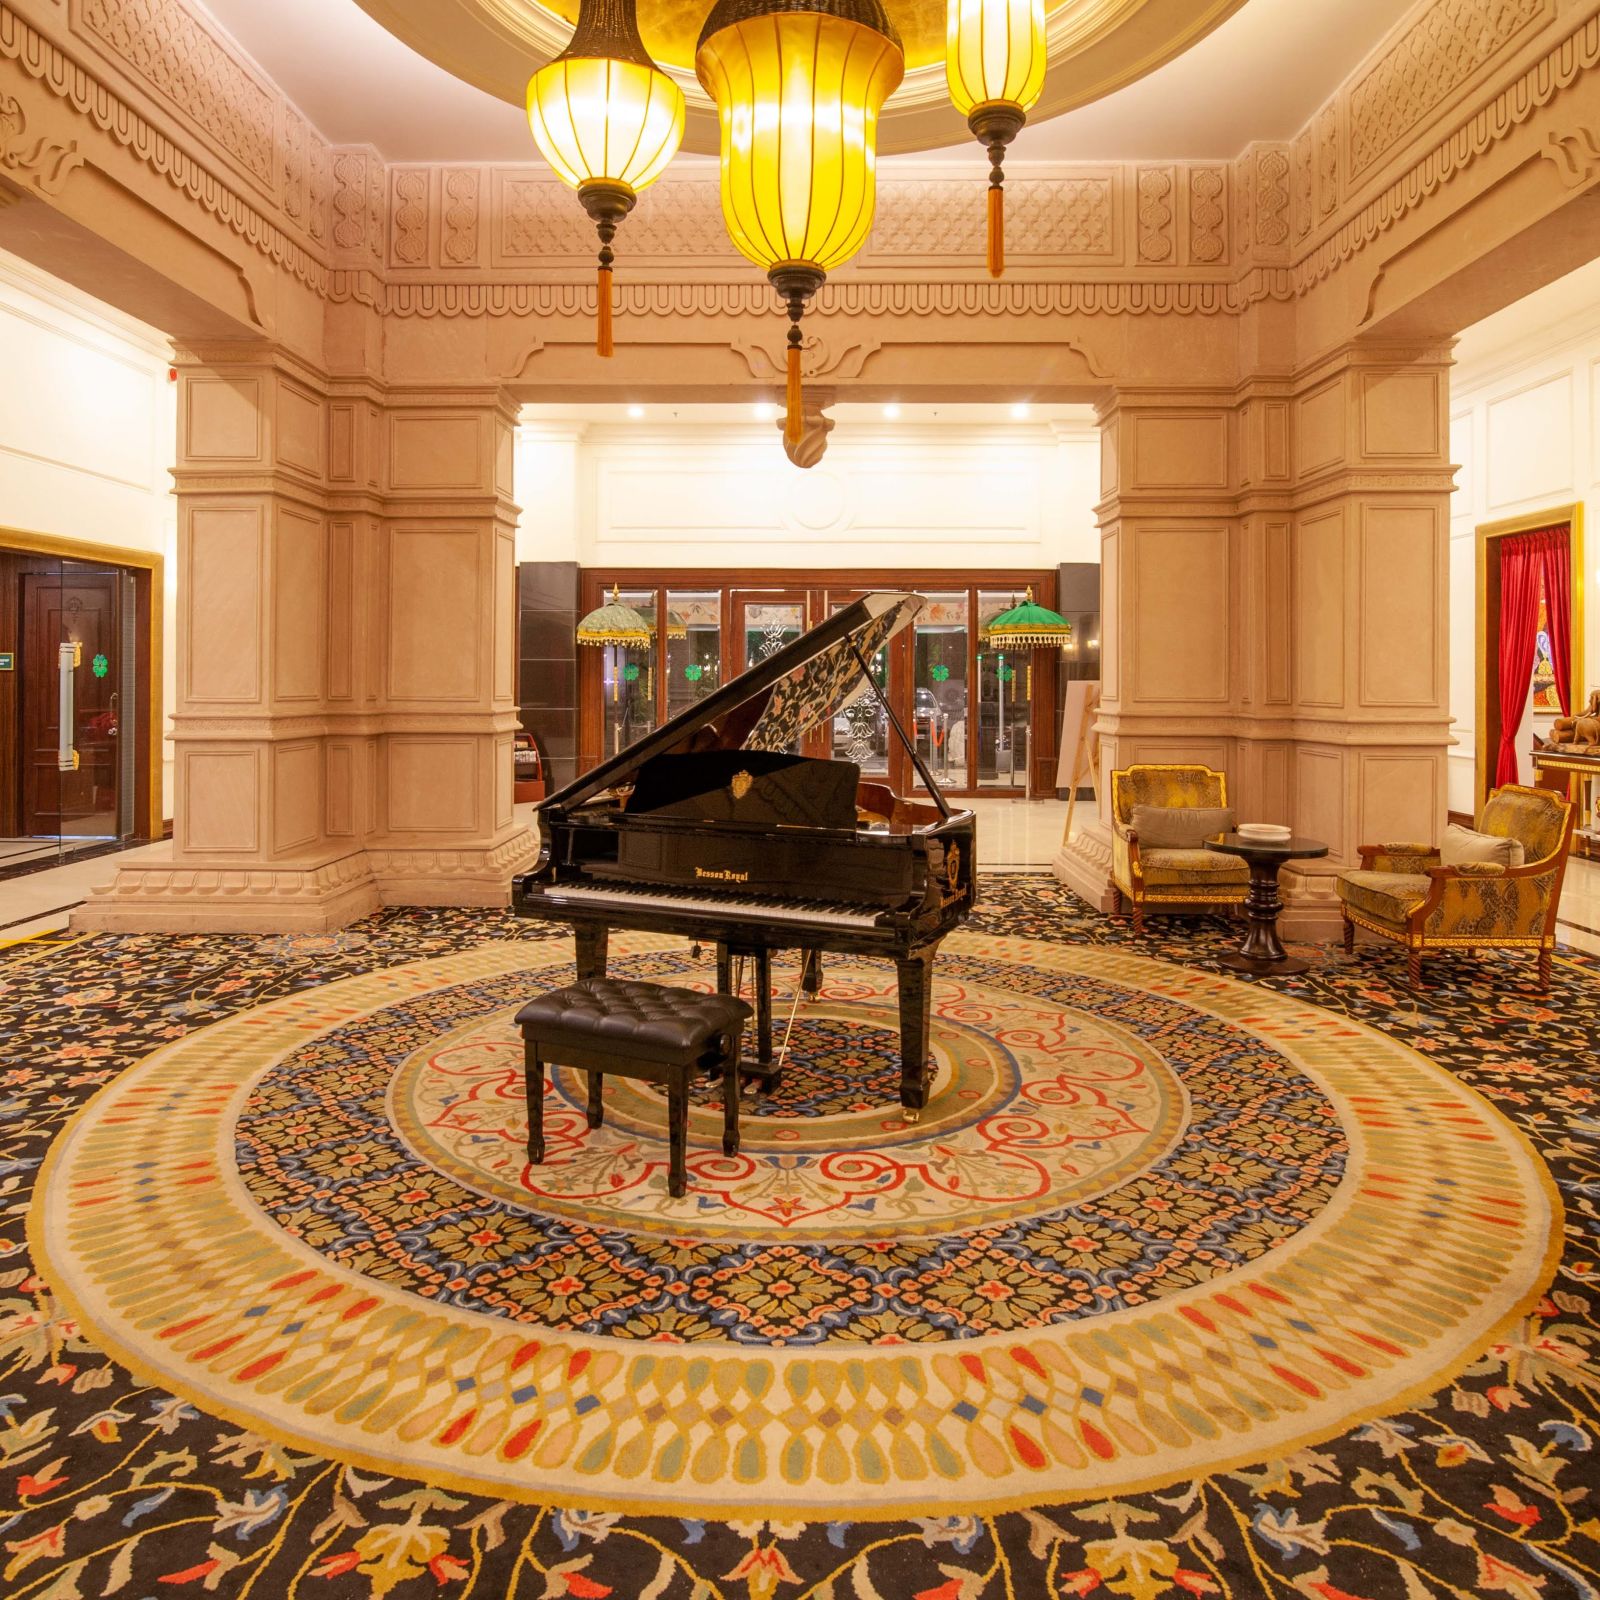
[1180, 1286]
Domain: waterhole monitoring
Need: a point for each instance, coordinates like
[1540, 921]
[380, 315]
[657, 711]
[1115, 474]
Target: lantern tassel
[794, 417]
[997, 232]
[602, 327]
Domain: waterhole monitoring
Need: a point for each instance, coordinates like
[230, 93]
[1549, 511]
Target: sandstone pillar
[345, 676]
[1274, 605]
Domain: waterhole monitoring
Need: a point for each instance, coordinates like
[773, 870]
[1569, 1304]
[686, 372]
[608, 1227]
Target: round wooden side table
[1262, 954]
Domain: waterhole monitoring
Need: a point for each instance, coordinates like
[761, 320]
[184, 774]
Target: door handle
[68, 654]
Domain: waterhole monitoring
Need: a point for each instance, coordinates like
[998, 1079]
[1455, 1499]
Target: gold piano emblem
[740, 785]
[952, 863]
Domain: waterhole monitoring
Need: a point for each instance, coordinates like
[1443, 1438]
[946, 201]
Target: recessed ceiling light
[1021, 411]
[765, 411]
[891, 411]
[635, 411]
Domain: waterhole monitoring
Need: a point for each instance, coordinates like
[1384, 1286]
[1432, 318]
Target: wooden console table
[1575, 774]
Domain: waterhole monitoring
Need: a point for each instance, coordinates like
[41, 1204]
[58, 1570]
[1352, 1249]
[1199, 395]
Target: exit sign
[8, 661]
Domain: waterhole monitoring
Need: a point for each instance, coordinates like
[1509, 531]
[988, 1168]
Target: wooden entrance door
[56, 609]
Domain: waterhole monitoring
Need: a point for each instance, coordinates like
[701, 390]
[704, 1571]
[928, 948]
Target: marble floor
[1013, 836]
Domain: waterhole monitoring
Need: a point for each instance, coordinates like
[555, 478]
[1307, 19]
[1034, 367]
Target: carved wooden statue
[1581, 729]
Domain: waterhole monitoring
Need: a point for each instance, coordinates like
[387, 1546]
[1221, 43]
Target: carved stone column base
[167, 897]
[1310, 905]
[432, 876]
[158, 896]
[1083, 864]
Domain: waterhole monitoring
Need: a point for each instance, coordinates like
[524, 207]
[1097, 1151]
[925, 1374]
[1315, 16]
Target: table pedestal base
[1265, 966]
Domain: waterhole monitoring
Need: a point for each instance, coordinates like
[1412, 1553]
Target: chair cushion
[1462, 845]
[640, 1019]
[1388, 896]
[1176, 869]
[1179, 827]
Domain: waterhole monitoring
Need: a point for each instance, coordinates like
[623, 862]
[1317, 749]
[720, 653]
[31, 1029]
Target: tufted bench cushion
[636, 1030]
[648, 1020]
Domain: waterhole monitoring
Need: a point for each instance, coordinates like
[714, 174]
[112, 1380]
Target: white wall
[974, 488]
[87, 431]
[1525, 433]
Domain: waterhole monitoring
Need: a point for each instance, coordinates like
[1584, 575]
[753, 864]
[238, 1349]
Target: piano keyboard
[810, 911]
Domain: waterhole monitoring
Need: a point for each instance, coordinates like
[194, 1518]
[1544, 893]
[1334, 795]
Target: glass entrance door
[73, 694]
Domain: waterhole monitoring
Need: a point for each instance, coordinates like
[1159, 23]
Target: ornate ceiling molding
[1096, 46]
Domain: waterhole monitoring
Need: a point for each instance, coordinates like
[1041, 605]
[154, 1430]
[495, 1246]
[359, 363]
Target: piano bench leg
[678, 1132]
[730, 1098]
[596, 1112]
[533, 1085]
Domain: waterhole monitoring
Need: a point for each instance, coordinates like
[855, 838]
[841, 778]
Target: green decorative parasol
[1027, 626]
[615, 623]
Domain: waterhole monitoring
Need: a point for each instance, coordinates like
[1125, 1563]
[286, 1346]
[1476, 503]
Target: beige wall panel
[299, 432]
[222, 420]
[1319, 427]
[1180, 614]
[1111, 616]
[1278, 611]
[438, 450]
[1319, 606]
[1274, 801]
[342, 442]
[220, 593]
[1397, 798]
[341, 801]
[299, 574]
[505, 617]
[297, 803]
[342, 610]
[1214, 753]
[1530, 443]
[504, 809]
[218, 793]
[1402, 415]
[432, 783]
[1110, 466]
[1400, 622]
[1319, 796]
[1179, 452]
[505, 458]
[436, 595]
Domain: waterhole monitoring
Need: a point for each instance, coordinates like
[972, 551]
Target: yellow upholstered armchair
[1405, 892]
[1187, 877]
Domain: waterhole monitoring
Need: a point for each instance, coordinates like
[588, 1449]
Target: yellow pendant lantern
[608, 119]
[994, 62]
[799, 85]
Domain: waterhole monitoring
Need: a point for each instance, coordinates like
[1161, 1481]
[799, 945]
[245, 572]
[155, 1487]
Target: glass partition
[628, 681]
[1004, 701]
[694, 647]
[940, 654]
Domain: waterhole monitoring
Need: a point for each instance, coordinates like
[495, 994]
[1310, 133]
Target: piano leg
[915, 973]
[730, 1097]
[811, 974]
[762, 1066]
[591, 952]
[533, 1085]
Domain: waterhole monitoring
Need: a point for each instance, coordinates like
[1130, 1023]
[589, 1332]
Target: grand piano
[715, 827]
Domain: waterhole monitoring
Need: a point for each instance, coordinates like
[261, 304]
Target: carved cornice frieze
[483, 240]
[853, 297]
[1513, 106]
[1443, 50]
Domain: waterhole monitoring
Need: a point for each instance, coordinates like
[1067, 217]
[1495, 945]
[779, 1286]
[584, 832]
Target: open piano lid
[809, 678]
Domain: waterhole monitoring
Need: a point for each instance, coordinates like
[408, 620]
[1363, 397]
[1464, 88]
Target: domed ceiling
[1096, 46]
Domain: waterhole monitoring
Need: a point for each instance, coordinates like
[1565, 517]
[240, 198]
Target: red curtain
[1530, 562]
[1521, 565]
[1555, 549]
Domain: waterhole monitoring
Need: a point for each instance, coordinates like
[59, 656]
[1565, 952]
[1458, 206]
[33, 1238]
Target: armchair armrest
[1407, 858]
[1469, 869]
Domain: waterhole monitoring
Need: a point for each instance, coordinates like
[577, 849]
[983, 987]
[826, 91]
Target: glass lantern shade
[798, 95]
[995, 53]
[601, 120]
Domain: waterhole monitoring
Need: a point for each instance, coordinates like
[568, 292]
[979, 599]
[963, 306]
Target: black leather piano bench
[636, 1030]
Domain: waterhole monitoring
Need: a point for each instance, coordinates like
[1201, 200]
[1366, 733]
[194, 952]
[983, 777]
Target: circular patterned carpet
[1153, 1223]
